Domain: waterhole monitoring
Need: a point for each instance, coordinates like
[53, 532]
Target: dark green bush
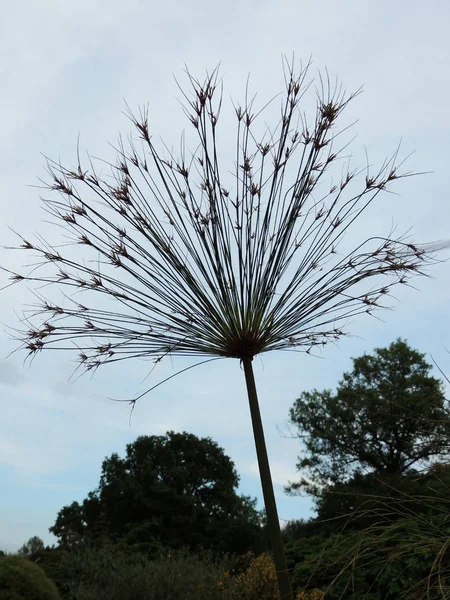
[110, 573]
[22, 579]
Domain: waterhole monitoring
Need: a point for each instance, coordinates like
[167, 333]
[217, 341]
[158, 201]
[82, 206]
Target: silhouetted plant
[198, 262]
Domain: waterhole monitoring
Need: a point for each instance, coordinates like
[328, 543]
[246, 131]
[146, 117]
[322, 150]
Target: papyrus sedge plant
[216, 261]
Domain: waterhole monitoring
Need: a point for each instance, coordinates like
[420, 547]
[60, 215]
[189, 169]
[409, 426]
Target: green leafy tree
[300, 528]
[381, 530]
[388, 417]
[197, 262]
[32, 547]
[22, 579]
[176, 490]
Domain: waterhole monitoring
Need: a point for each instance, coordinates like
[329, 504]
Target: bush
[259, 582]
[110, 573]
[21, 579]
[114, 572]
[315, 594]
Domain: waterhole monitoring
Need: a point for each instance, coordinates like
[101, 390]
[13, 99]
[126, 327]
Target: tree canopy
[176, 490]
[388, 417]
[34, 545]
[376, 462]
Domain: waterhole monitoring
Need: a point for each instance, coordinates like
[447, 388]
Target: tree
[196, 264]
[381, 496]
[300, 528]
[176, 490]
[33, 546]
[388, 417]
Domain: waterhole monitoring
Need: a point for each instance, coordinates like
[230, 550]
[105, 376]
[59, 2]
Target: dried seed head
[83, 239]
[329, 112]
[199, 286]
[35, 346]
[79, 210]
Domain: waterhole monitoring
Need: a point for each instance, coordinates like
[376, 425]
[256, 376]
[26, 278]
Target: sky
[67, 70]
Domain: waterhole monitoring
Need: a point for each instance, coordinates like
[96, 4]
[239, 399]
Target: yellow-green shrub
[310, 595]
[259, 582]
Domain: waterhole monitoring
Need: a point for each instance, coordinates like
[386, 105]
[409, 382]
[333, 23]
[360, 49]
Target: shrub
[259, 582]
[310, 595]
[111, 574]
[21, 579]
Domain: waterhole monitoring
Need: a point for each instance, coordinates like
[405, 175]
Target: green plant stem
[273, 524]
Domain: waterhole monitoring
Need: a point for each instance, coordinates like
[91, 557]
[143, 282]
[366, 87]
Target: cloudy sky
[67, 69]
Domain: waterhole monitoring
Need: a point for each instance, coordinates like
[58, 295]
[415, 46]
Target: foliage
[407, 560]
[50, 561]
[299, 528]
[371, 498]
[174, 490]
[114, 571]
[382, 529]
[387, 416]
[22, 579]
[403, 552]
[310, 595]
[259, 581]
[110, 573]
[32, 547]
